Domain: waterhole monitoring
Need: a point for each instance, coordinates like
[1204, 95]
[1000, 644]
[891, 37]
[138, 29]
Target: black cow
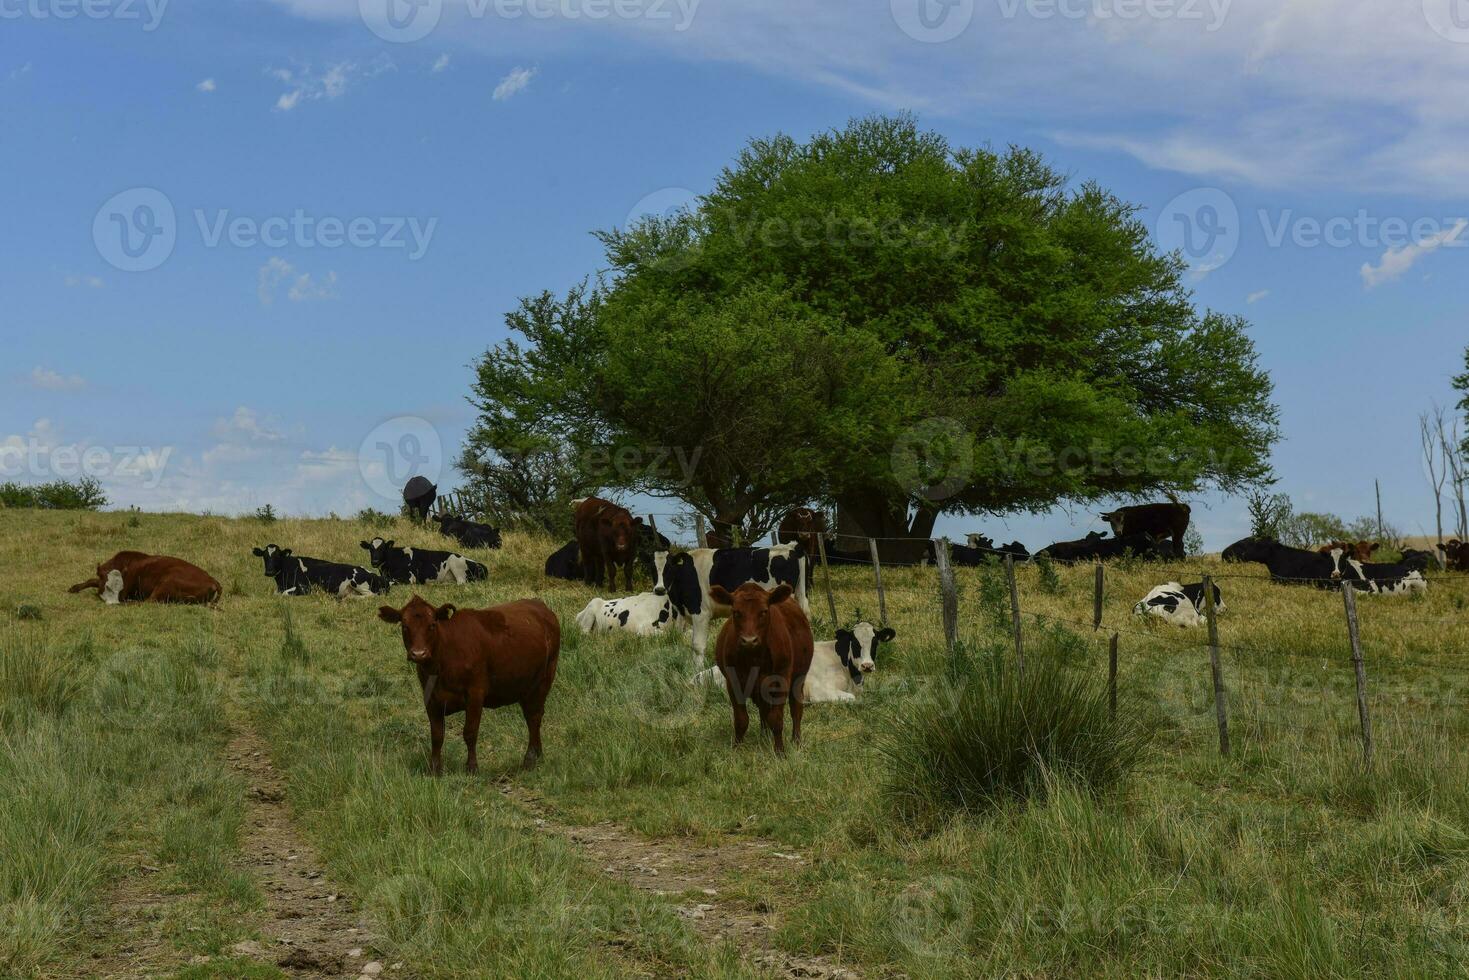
[1292, 565]
[566, 563]
[417, 565]
[1418, 560]
[302, 576]
[469, 533]
[419, 495]
[687, 577]
[650, 542]
[1097, 546]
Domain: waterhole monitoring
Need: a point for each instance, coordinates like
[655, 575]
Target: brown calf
[1361, 551]
[472, 659]
[607, 539]
[118, 562]
[158, 578]
[764, 652]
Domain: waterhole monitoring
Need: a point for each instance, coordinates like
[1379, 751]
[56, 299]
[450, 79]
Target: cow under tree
[804, 525]
[608, 540]
[471, 659]
[1159, 520]
[764, 652]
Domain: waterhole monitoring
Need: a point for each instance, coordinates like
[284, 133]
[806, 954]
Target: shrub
[266, 514]
[995, 737]
[373, 517]
[82, 494]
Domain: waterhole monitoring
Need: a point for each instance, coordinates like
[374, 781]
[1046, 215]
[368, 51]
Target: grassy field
[122, 820]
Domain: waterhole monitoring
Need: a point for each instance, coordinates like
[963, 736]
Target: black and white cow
[1180, 605]
[837, 665]
[469, 533]
[415, 566]
[301, 576]
[565, 563]
[1385, 578]
[645, 614]
[686, 578]
[1419, 560]
[985, 544]
[1294, 566]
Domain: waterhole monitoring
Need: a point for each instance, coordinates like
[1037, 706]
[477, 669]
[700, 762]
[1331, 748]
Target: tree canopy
[876, 318]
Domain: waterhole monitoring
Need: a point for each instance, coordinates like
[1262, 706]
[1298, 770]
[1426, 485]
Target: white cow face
[857, 647]
[112, 591]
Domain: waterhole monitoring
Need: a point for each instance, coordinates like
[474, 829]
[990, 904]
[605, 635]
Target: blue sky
[353, 215]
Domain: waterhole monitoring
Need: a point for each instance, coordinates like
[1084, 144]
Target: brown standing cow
[118, 562]
[472, 659]
[607, 539]
[804, 525]
[1159, 520]
[764, 652]
[158, 578]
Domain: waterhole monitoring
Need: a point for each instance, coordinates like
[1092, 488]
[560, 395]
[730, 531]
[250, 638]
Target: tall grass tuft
[293, 649]
[994, 736]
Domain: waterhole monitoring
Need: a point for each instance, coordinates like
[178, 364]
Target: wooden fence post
[1097, 598]
[831, 603]
[948, 594]
[1214, 669]
[882, 599]
[1112, 677]
[1015, 614]
[699, 530]
[1349, 597]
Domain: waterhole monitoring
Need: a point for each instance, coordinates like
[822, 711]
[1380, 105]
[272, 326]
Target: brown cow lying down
[158, 578]
[472, 659]
[118, 562]
[764, 652]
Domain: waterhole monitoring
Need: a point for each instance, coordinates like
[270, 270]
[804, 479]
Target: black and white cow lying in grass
[1179, 605]
[415, 566]
[1384, 578]
[1328, 571]
[837, 666]
[302, 576]
[686, 578]
[645, 614]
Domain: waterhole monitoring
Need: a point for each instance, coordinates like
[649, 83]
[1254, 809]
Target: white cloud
[305, 84]
[302, 288]
[1254, 298]
[441, 63]
[246, 424]
[24, 69]
[514, 82]
[74, 281]
[1396, 261]
[50, 380]
[205, 86]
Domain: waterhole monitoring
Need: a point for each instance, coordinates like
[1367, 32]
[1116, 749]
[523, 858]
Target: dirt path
[695, 877]
[312, 929]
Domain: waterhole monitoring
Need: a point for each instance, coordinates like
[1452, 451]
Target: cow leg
[737, 698]
[89, 584]
[627, 571]
[436, 737]
[473, 709]
[532, 712]
[774, 720]
[797, 707]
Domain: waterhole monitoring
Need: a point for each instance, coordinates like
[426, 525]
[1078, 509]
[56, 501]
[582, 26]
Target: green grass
[1285, 859]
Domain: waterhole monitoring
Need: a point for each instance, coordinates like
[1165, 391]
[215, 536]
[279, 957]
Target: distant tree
[85, 493]
[877, 319]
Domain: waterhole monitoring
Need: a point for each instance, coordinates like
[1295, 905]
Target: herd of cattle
[765, 652]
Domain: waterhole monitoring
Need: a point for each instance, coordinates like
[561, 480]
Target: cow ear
[445, 612]
[388, 543]
[257, 552]
[365, 546]
[781, 594]
[284, 551]
[389, 615]
[886, 634]
[721, 595]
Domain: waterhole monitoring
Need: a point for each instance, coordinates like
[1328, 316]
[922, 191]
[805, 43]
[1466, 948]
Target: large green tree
[878, 319]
